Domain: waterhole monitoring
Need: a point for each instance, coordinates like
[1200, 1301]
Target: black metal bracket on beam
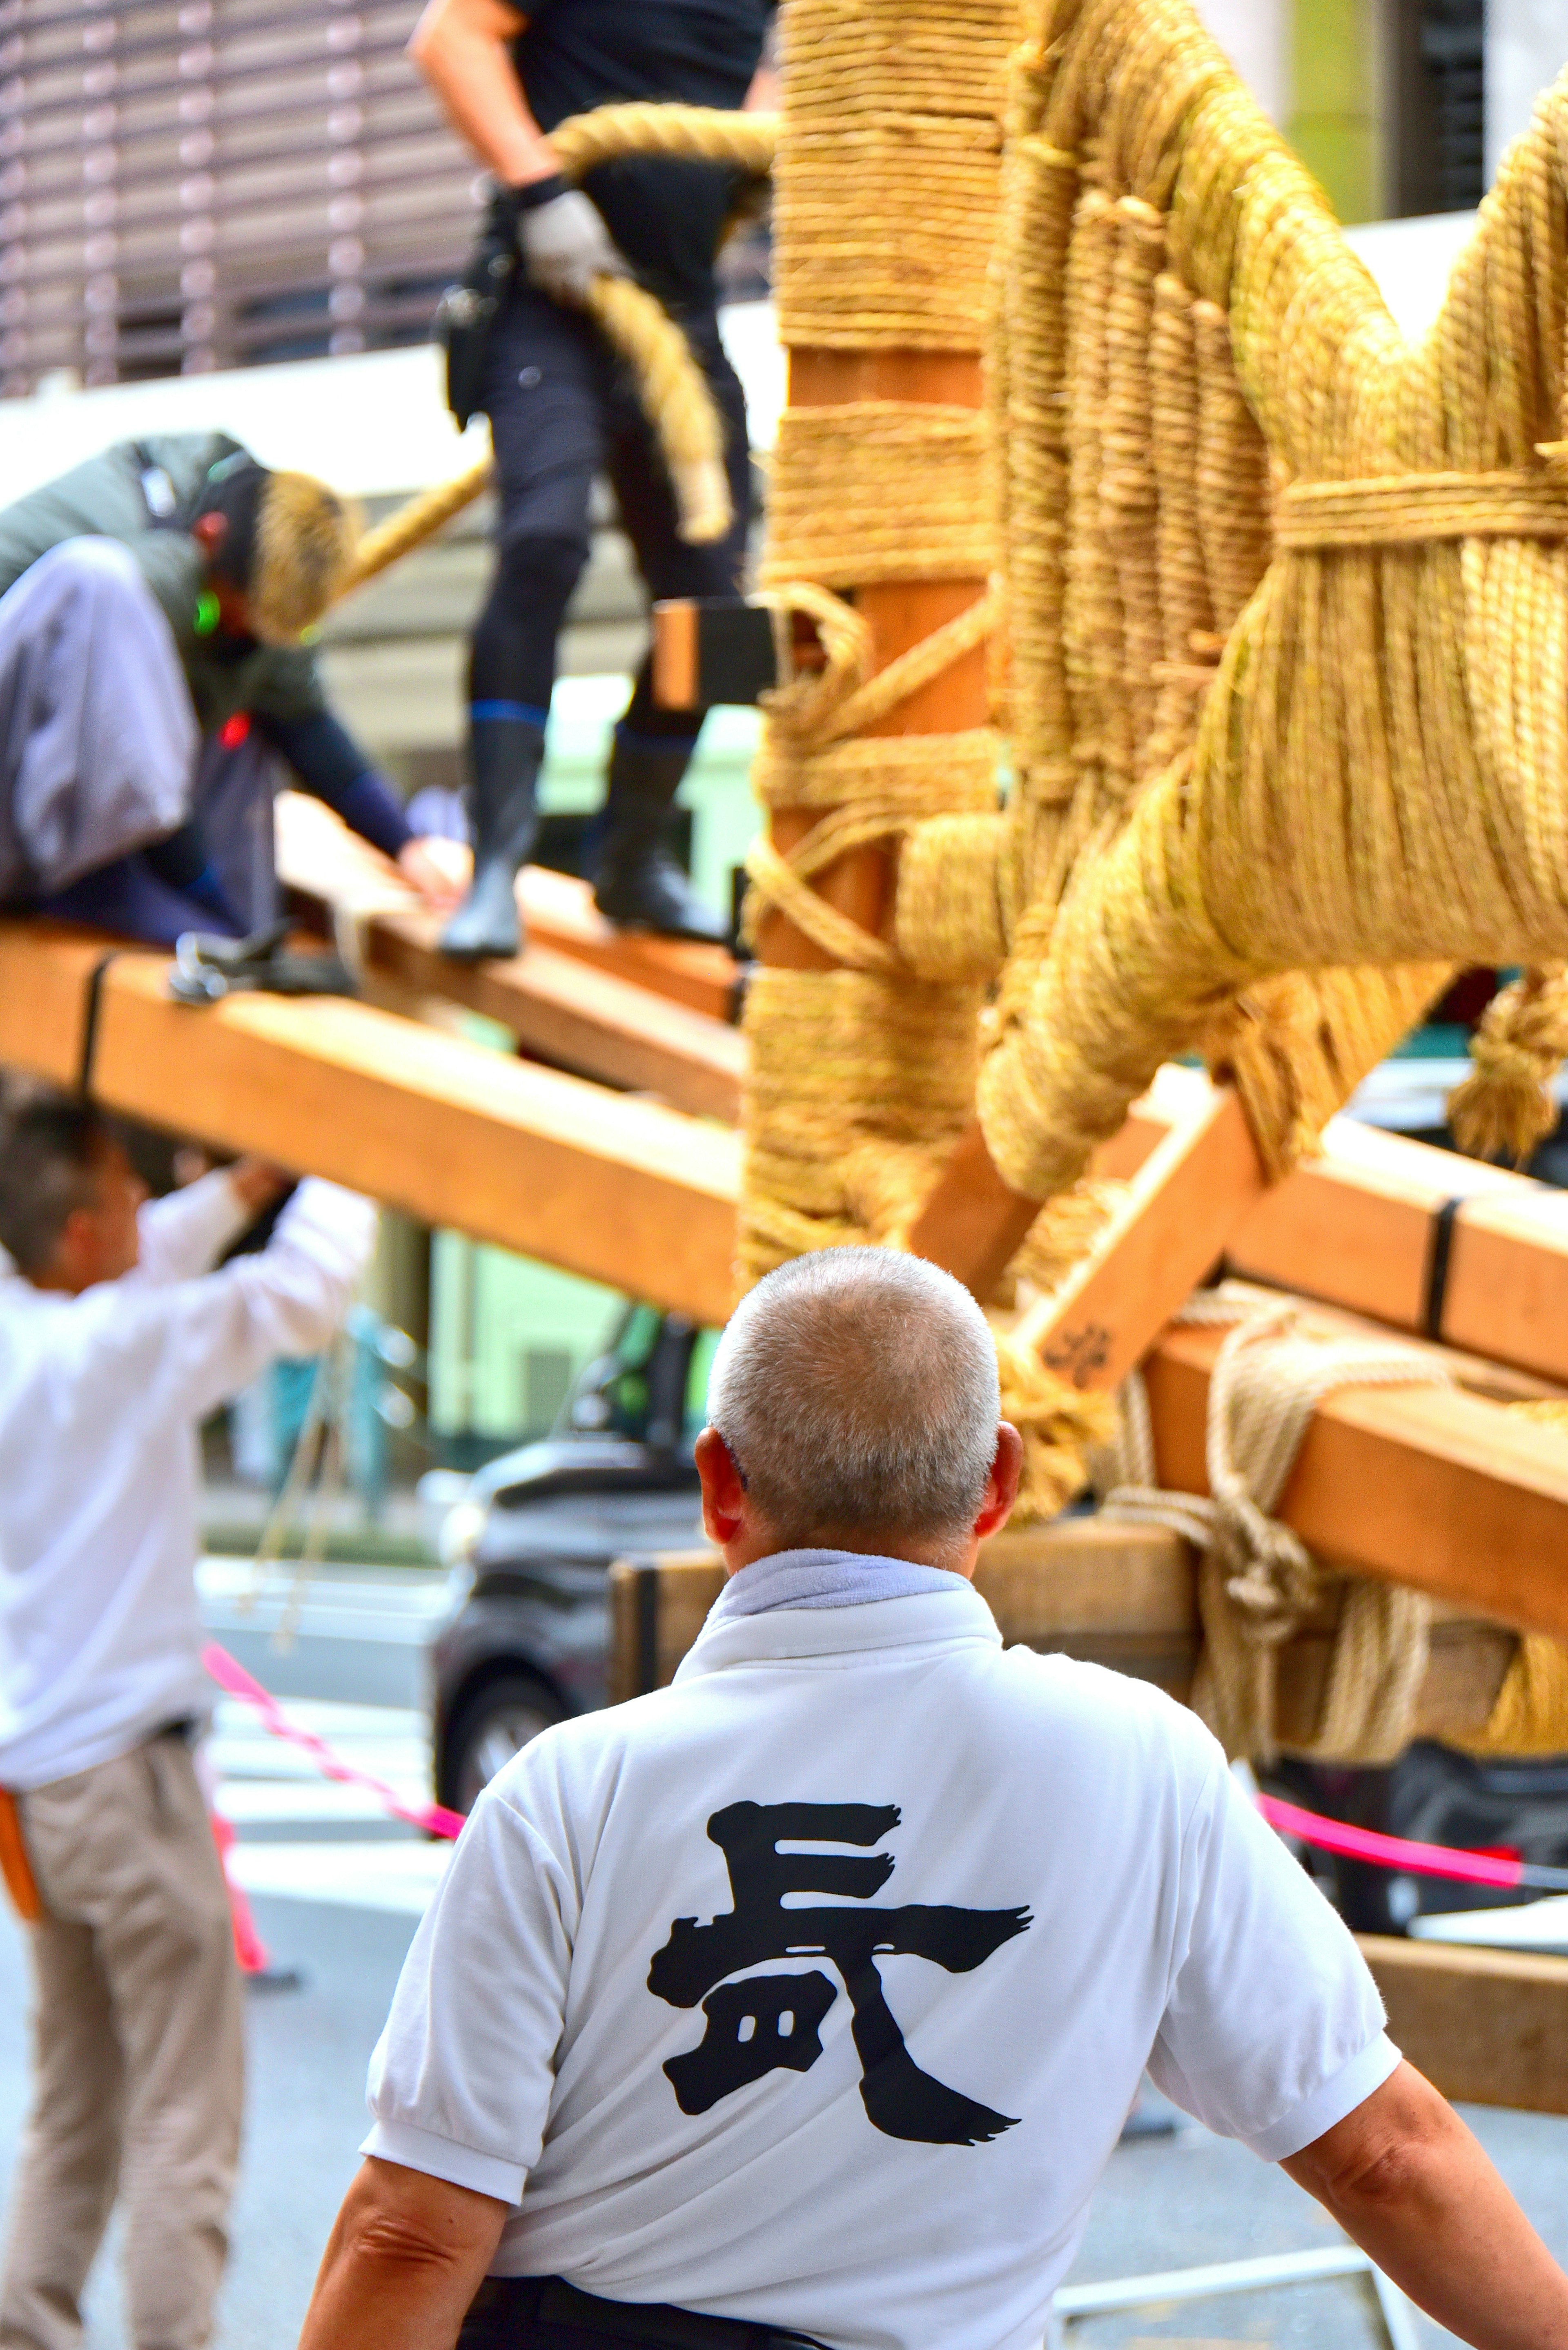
[712, 649]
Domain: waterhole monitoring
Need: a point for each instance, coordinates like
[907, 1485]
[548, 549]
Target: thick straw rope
[1373, 776]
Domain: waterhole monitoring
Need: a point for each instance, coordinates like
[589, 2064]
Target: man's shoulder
[1103, 1709]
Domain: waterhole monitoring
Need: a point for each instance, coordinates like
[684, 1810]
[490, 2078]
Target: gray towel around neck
[824, 1578]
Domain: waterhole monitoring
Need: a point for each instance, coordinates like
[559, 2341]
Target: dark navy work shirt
[573, 55]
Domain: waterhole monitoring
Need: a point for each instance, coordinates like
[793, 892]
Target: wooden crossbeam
[1124, 1597]
[321, 859]
[570, 1011]
[1361, 1226]
[1487, 2027]
[1436, 1488]
[621, 1190]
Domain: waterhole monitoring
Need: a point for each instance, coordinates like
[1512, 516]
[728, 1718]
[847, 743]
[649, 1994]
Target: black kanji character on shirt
[767, 2021]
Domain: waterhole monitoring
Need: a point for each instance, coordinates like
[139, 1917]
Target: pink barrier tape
[255, 1958]
[433, 1818]
[1398, 1852]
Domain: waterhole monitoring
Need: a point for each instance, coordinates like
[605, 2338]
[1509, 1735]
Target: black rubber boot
[504, 758]
[637, 883]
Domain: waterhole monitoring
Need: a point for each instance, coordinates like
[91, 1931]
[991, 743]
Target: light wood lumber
[1118, 1595]
[1165, 1235]
[561, 1007]
[1356, 1226]
[621, 1190]
[1439, 1488]
[1487, 2027]
[319, 856]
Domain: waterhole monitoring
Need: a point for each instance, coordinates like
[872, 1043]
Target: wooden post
[899, 613]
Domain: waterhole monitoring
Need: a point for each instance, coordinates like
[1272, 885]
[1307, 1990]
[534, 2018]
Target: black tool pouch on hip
[467, 310]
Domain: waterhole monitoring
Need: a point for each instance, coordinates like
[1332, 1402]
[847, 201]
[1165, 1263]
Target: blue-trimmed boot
[504, 758]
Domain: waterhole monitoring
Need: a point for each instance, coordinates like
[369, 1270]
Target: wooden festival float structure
[1104, 470]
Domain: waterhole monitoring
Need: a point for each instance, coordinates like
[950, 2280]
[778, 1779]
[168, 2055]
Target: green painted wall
[1335, 123]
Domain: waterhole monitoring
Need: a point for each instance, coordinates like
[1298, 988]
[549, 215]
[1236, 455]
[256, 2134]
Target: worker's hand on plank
[258, 1183]
[438, 869]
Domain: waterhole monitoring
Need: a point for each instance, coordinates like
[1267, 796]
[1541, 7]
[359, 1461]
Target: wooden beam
[1435, 1488]
[1167, 1233]
[1487, 2027]
[321, 859]
[1357, 1227]
[1119, 1596]
[899, 614]
[623, 1191]
[559, 1007]
[574, 1015]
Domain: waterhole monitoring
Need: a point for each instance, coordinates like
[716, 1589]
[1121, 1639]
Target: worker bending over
[562, 409]
[807, 1998]
[117, 1339]
[152, 607]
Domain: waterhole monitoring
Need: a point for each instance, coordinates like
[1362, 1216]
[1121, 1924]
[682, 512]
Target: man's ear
[1002, 1485]
[723, 1488]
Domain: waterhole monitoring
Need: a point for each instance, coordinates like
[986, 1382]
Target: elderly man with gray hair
[803, 2001]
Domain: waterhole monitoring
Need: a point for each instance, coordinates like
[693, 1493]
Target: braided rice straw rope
[1365, 784]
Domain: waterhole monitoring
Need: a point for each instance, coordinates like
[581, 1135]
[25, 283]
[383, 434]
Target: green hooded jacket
[138, 492]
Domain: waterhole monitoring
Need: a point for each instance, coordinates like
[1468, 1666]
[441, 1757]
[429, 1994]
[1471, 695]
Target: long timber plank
[1487, 2027]
[1120, 1596]
[1360, 1226]
[621, 1190]
[321, 858]
[1438, 1489]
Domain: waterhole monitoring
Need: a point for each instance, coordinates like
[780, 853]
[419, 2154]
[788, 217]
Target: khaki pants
[137, 2053]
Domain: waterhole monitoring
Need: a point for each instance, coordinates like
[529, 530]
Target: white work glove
[565, 245]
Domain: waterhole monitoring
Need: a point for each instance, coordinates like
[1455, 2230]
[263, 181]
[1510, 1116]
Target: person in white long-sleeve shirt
[117, 1340]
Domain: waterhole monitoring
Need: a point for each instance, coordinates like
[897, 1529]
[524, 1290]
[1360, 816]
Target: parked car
[525, 1640]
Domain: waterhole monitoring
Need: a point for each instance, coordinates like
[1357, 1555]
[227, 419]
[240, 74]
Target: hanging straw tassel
[1505, 1106]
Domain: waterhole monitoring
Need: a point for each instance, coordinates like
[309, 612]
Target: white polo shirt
[815, 1990]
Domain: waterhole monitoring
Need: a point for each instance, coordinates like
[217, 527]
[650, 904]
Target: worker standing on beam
[153, 603]
[117, 1340]
[562, 411]
[804, 2000]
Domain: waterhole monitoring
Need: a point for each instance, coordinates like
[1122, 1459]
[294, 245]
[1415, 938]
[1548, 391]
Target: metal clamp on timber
[207, 969]
[713, 649]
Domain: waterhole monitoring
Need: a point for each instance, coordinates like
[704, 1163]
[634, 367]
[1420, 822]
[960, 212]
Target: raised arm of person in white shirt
[184, 1235]
[1401, 2174]
[184, 1347]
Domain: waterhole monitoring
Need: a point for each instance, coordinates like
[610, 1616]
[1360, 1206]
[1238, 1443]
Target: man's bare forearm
[405, 2259]
[461, 48]
[1412, 2186]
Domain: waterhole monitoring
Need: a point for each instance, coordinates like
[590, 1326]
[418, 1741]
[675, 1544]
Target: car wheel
[495, 1723]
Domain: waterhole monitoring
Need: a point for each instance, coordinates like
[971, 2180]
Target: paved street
[336, 1889]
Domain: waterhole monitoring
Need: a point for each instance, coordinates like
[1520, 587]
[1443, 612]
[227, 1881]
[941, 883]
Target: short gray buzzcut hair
[857, 1391]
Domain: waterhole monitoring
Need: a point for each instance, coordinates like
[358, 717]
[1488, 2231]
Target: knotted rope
[1257, 1580]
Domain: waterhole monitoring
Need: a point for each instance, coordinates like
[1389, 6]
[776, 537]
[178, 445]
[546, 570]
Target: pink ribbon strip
[433, 1818]
[1505, 1870]
[1398, 1852]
